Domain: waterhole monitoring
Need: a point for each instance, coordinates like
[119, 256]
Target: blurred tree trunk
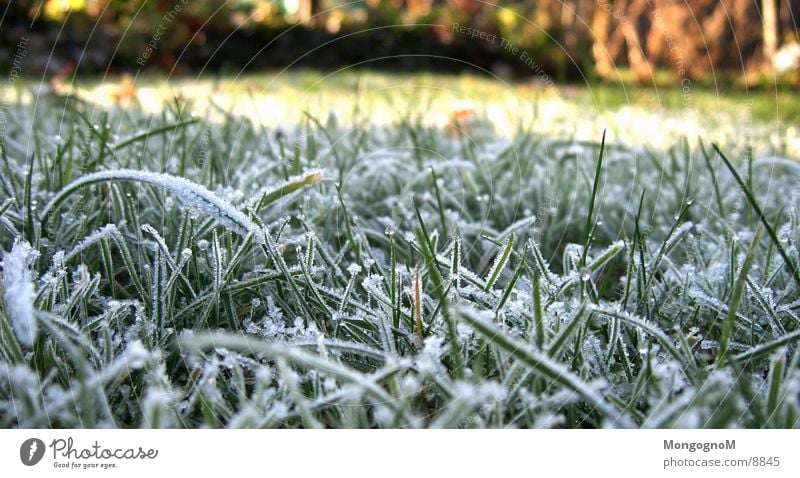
[772, 32]
[545, 13]
[640, 65]
[789, 12]
[308, 8]
[609, 42]
[601, 30]
[569, 29]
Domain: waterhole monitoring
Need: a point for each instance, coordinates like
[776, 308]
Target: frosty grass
[165, 271]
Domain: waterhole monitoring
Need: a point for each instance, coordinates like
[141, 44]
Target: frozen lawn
[196, 265]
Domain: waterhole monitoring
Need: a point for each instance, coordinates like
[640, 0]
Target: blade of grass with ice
[545, 367]
[192, 193]
[736, 298]
[499, 263]
[292, 354]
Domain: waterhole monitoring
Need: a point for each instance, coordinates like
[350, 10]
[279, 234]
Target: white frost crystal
[19, 293]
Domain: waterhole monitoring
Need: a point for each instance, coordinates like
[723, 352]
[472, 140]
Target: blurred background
[650, 72]
[738, 42]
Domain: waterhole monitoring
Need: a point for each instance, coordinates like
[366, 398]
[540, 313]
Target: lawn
[370, 250]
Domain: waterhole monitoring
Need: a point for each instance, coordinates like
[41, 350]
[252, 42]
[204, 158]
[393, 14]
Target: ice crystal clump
[19, 291]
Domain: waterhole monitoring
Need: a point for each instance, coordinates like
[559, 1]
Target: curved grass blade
[736, 298]
[546, 367]
[192, 193]
[752, 200]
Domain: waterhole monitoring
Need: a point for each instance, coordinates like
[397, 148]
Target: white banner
[400, 453]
